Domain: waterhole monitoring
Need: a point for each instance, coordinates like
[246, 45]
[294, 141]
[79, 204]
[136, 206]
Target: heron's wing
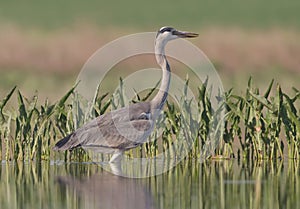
[111, 129]
[121, 136]
[107, 137]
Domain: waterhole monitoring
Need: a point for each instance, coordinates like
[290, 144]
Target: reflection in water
[105, 190]
[139, 168]
[214, 184]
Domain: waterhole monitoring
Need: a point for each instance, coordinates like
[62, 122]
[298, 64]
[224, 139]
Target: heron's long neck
[161, 97]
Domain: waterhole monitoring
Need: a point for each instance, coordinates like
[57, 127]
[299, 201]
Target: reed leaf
[5, 100]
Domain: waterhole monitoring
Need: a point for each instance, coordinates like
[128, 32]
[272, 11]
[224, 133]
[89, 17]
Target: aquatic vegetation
[264, 124]
[256, 126]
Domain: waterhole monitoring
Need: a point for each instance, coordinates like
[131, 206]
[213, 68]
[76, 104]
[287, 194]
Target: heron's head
[169, 33]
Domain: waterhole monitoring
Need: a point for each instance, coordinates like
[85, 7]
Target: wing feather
[120, 129]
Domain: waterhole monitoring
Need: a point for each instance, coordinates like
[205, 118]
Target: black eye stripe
[166, 29]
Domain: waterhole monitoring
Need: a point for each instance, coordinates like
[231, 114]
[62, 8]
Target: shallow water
[214, 184]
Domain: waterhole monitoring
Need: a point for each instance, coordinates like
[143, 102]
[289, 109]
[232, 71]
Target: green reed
[254, 125]
[264, 124]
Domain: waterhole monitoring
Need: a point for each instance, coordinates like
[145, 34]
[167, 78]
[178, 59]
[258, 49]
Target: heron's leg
[116, 168]
[117, 156]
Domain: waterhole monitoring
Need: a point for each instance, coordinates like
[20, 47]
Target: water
[214, 184]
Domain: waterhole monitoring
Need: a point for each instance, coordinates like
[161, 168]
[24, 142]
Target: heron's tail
[67, 143]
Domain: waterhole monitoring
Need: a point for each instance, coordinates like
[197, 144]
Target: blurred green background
[44, 44]
[150, 14]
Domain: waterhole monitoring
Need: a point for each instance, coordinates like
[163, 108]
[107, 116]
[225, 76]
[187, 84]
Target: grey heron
[128, 127]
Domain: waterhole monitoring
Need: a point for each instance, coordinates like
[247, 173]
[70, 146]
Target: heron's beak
[183, 34]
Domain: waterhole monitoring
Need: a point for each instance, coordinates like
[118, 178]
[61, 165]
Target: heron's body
[128, 127]
[112, 131]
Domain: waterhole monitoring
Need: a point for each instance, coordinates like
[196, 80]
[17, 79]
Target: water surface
[214, 184]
